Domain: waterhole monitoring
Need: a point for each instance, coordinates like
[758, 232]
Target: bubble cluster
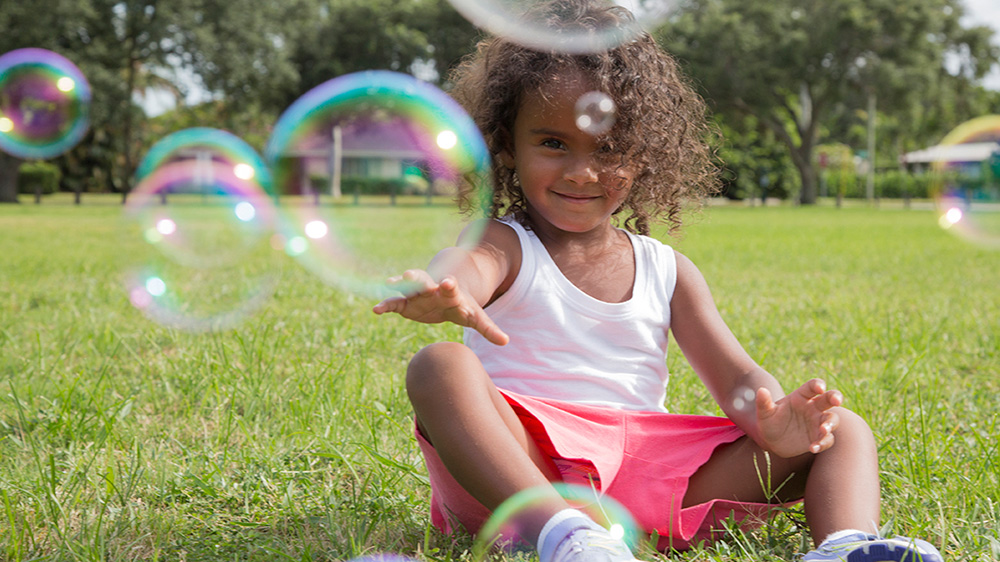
[513, 522]
[374, 157]
[966, 184]
[527, 22]
[44, 104]
[201, 203]
[595, 113]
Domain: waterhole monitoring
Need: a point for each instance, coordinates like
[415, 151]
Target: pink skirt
[641, 459]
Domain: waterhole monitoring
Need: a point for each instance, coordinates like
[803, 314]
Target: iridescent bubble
[539, 24]
[202, 198]
[202, 206]
[377, 172]
[966, 186]
[44, 104]
[513, 522]
[744, 398]
[595, 113]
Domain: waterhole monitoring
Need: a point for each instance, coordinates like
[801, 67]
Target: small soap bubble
[966, 181]
[539, 23]
[595, 113]
[44, 104]
[743, 398]
[377, 172]
[202, 205]
[511, 524]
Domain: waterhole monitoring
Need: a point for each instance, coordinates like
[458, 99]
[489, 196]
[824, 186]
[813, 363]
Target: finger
[482, 323]
[391, 304]
[823, 444]
[765, 403]
[412, 282]
[812, 388]
[829, 399]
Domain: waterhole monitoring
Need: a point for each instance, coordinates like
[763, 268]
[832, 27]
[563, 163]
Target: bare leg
[840, 486]
[475, 432]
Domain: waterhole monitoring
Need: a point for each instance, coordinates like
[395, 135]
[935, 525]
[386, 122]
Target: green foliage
[795, 65]
[38, 176]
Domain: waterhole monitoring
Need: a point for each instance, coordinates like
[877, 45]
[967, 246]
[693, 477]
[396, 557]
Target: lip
[576, 199]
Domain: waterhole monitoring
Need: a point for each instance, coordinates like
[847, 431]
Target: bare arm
[787, 425]
[458, 283]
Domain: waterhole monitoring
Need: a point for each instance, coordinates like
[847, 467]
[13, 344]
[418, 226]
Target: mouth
[575, 198]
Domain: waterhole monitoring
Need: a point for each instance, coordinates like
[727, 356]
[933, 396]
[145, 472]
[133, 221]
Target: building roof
[955, 153]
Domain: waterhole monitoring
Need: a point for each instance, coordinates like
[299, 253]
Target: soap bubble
[201, 204]
[744, 398]
[202, 198]
[595, 113]
[44, 104]
[966, 185]
[512, 523]
[376, 163]
[527, 22]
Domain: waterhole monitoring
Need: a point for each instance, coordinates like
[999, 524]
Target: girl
[567, 306]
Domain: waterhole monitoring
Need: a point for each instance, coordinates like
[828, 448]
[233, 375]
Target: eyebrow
[545, 131]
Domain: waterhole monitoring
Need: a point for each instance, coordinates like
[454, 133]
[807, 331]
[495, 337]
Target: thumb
[765, 403]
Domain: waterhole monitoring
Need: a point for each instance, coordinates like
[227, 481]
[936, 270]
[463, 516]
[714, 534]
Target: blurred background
[828, 99]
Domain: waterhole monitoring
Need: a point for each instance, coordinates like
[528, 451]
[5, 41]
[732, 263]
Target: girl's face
[567, 181]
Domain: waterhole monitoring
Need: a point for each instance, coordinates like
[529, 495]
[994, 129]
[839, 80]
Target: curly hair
[661, 131]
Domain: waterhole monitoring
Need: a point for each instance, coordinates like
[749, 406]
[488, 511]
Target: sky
[986, 12]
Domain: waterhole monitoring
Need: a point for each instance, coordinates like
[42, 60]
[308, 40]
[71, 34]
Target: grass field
[289, 436]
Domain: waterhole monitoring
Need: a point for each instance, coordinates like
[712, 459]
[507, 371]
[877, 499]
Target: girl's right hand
[434, 302]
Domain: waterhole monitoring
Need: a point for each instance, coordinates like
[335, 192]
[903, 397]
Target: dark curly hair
[661, 130]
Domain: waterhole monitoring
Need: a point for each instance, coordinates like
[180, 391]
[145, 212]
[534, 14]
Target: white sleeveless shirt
[566, 345]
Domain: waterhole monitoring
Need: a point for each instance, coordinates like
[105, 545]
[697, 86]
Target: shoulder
[691, 289]
[495, 244]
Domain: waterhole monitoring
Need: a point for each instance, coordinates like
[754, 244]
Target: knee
[433, 368]
[853, 431]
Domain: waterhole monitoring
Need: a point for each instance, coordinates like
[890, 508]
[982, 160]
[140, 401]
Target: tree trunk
[8, 178]
[807, 172]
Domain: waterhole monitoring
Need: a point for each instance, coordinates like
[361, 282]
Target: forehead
[556, 96]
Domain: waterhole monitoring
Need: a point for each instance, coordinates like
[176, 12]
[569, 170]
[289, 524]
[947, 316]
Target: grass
[288, 437]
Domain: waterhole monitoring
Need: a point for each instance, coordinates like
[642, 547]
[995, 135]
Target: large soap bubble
[539, 24]
[967, 181]
[385, 170]
[202, 205]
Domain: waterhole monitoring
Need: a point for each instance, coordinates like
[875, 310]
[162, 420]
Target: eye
[553, 143]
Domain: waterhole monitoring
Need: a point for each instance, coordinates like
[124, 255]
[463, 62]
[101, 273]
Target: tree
[790, 63]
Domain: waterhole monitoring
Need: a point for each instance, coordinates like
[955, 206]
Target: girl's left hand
[800, 422]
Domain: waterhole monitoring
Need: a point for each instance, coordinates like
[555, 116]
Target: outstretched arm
[471, 279]
[750, 396]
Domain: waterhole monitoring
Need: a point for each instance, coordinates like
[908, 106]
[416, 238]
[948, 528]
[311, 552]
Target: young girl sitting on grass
[567, 305]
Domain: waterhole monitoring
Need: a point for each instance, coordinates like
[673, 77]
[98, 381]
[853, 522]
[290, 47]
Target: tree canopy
[795, 65]
[787, 73]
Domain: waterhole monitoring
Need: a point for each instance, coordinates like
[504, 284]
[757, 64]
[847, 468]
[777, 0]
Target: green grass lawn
[289, 436]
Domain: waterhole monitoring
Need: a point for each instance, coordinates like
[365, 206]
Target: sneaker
[584, 541]
[859, 547]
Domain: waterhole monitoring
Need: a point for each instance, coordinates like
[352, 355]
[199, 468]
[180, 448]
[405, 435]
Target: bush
[35, 175]
[896, 184]
[373, 186]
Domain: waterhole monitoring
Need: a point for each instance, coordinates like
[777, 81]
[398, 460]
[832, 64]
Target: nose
[582, 170]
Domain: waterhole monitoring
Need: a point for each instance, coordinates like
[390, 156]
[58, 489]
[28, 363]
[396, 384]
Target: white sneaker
[583, 541]
[861, 547]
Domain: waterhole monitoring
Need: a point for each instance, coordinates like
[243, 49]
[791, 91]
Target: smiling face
[569, 182]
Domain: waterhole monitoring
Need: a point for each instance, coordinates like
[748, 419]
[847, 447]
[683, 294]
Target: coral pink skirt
[642, 459]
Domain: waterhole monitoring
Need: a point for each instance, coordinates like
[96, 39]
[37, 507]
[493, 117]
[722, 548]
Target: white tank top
[566, 345]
